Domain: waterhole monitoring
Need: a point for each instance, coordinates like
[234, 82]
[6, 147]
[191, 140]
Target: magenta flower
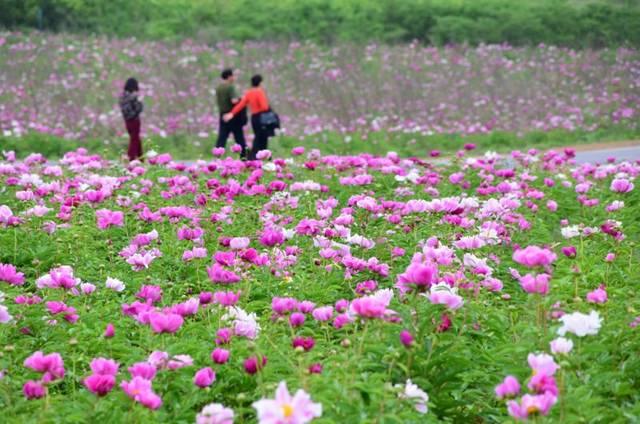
[252, 364]
[306, 343]
[508, 388]
[374, 306]
[165, 323]
[217, 274]
[100, 384]
[220, 356]
[420, 276]
[599, 295]
[533, 256]
[296, 319]
[9, 274]
[535, 284]
[204, 377]
[109, 331]
[33, 390]
[271, 238]
[150, 294]
[51, 365]
[107, 218]
[569, 251]
[406, 338]
[287, 409]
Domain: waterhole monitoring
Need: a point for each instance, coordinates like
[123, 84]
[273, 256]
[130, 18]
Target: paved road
[622, 153]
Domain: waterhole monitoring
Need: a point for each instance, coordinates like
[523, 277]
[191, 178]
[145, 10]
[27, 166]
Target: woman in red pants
[131, 109]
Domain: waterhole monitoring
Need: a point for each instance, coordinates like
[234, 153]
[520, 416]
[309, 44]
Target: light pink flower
[285, 409]
[215, 413]
[508, 388]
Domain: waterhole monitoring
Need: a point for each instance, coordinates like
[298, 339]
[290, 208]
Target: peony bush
[319, 288]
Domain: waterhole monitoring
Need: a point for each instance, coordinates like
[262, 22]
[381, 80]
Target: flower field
[332, 289]
[67, 86]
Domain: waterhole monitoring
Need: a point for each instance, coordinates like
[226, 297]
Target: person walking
[256, 99]
[131, 109]
[227, 97]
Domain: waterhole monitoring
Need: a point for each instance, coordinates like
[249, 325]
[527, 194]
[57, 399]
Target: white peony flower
[580, 324]
[414, 393]
[570, 231]
[114, 284]
[561, 346]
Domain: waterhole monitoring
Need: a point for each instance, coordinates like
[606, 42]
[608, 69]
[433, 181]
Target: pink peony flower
[285, 409]
[420, 276]
[561, 346]
[107, 218]
[139, 389]
[621, 185]
[443, 294]
[252, 364]
[323, 313]
[533, 256]
[204, 377]
[406, 338]
[52, 364]
[542, 364]
[535, 284]
[220, 356]
[100, 384]
[569, 251]
[9, 274]
[33, 390]
[109, 331]
[531, 405]
[217, 274]
[599, 295]
[508, 388]
[215, 413]
[104, 366]
[143, 369]
[165, 323]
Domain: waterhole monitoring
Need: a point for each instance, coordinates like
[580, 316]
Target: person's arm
[240, 105]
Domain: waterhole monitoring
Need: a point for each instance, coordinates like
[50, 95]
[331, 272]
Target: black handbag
[269, 120]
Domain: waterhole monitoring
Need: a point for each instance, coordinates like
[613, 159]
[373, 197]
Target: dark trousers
[135, 144]
[261, 136]
[234, 126]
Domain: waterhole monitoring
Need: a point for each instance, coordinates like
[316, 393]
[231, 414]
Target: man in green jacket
[227, 96]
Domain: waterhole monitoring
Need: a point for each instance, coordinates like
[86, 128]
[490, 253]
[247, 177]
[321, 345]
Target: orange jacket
[255, 98]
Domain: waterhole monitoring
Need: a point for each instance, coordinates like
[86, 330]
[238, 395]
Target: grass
[328, 143]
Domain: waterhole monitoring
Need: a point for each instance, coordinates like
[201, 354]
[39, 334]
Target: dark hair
[256, 80]
[131, 85]
[226, 73]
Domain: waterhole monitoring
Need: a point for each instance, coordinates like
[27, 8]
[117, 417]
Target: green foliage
[379, 143]
[527, 22]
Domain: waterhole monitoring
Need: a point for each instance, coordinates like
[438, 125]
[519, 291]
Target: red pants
[135, 144]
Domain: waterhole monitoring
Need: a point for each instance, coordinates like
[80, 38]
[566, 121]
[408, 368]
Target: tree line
[571, 23]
